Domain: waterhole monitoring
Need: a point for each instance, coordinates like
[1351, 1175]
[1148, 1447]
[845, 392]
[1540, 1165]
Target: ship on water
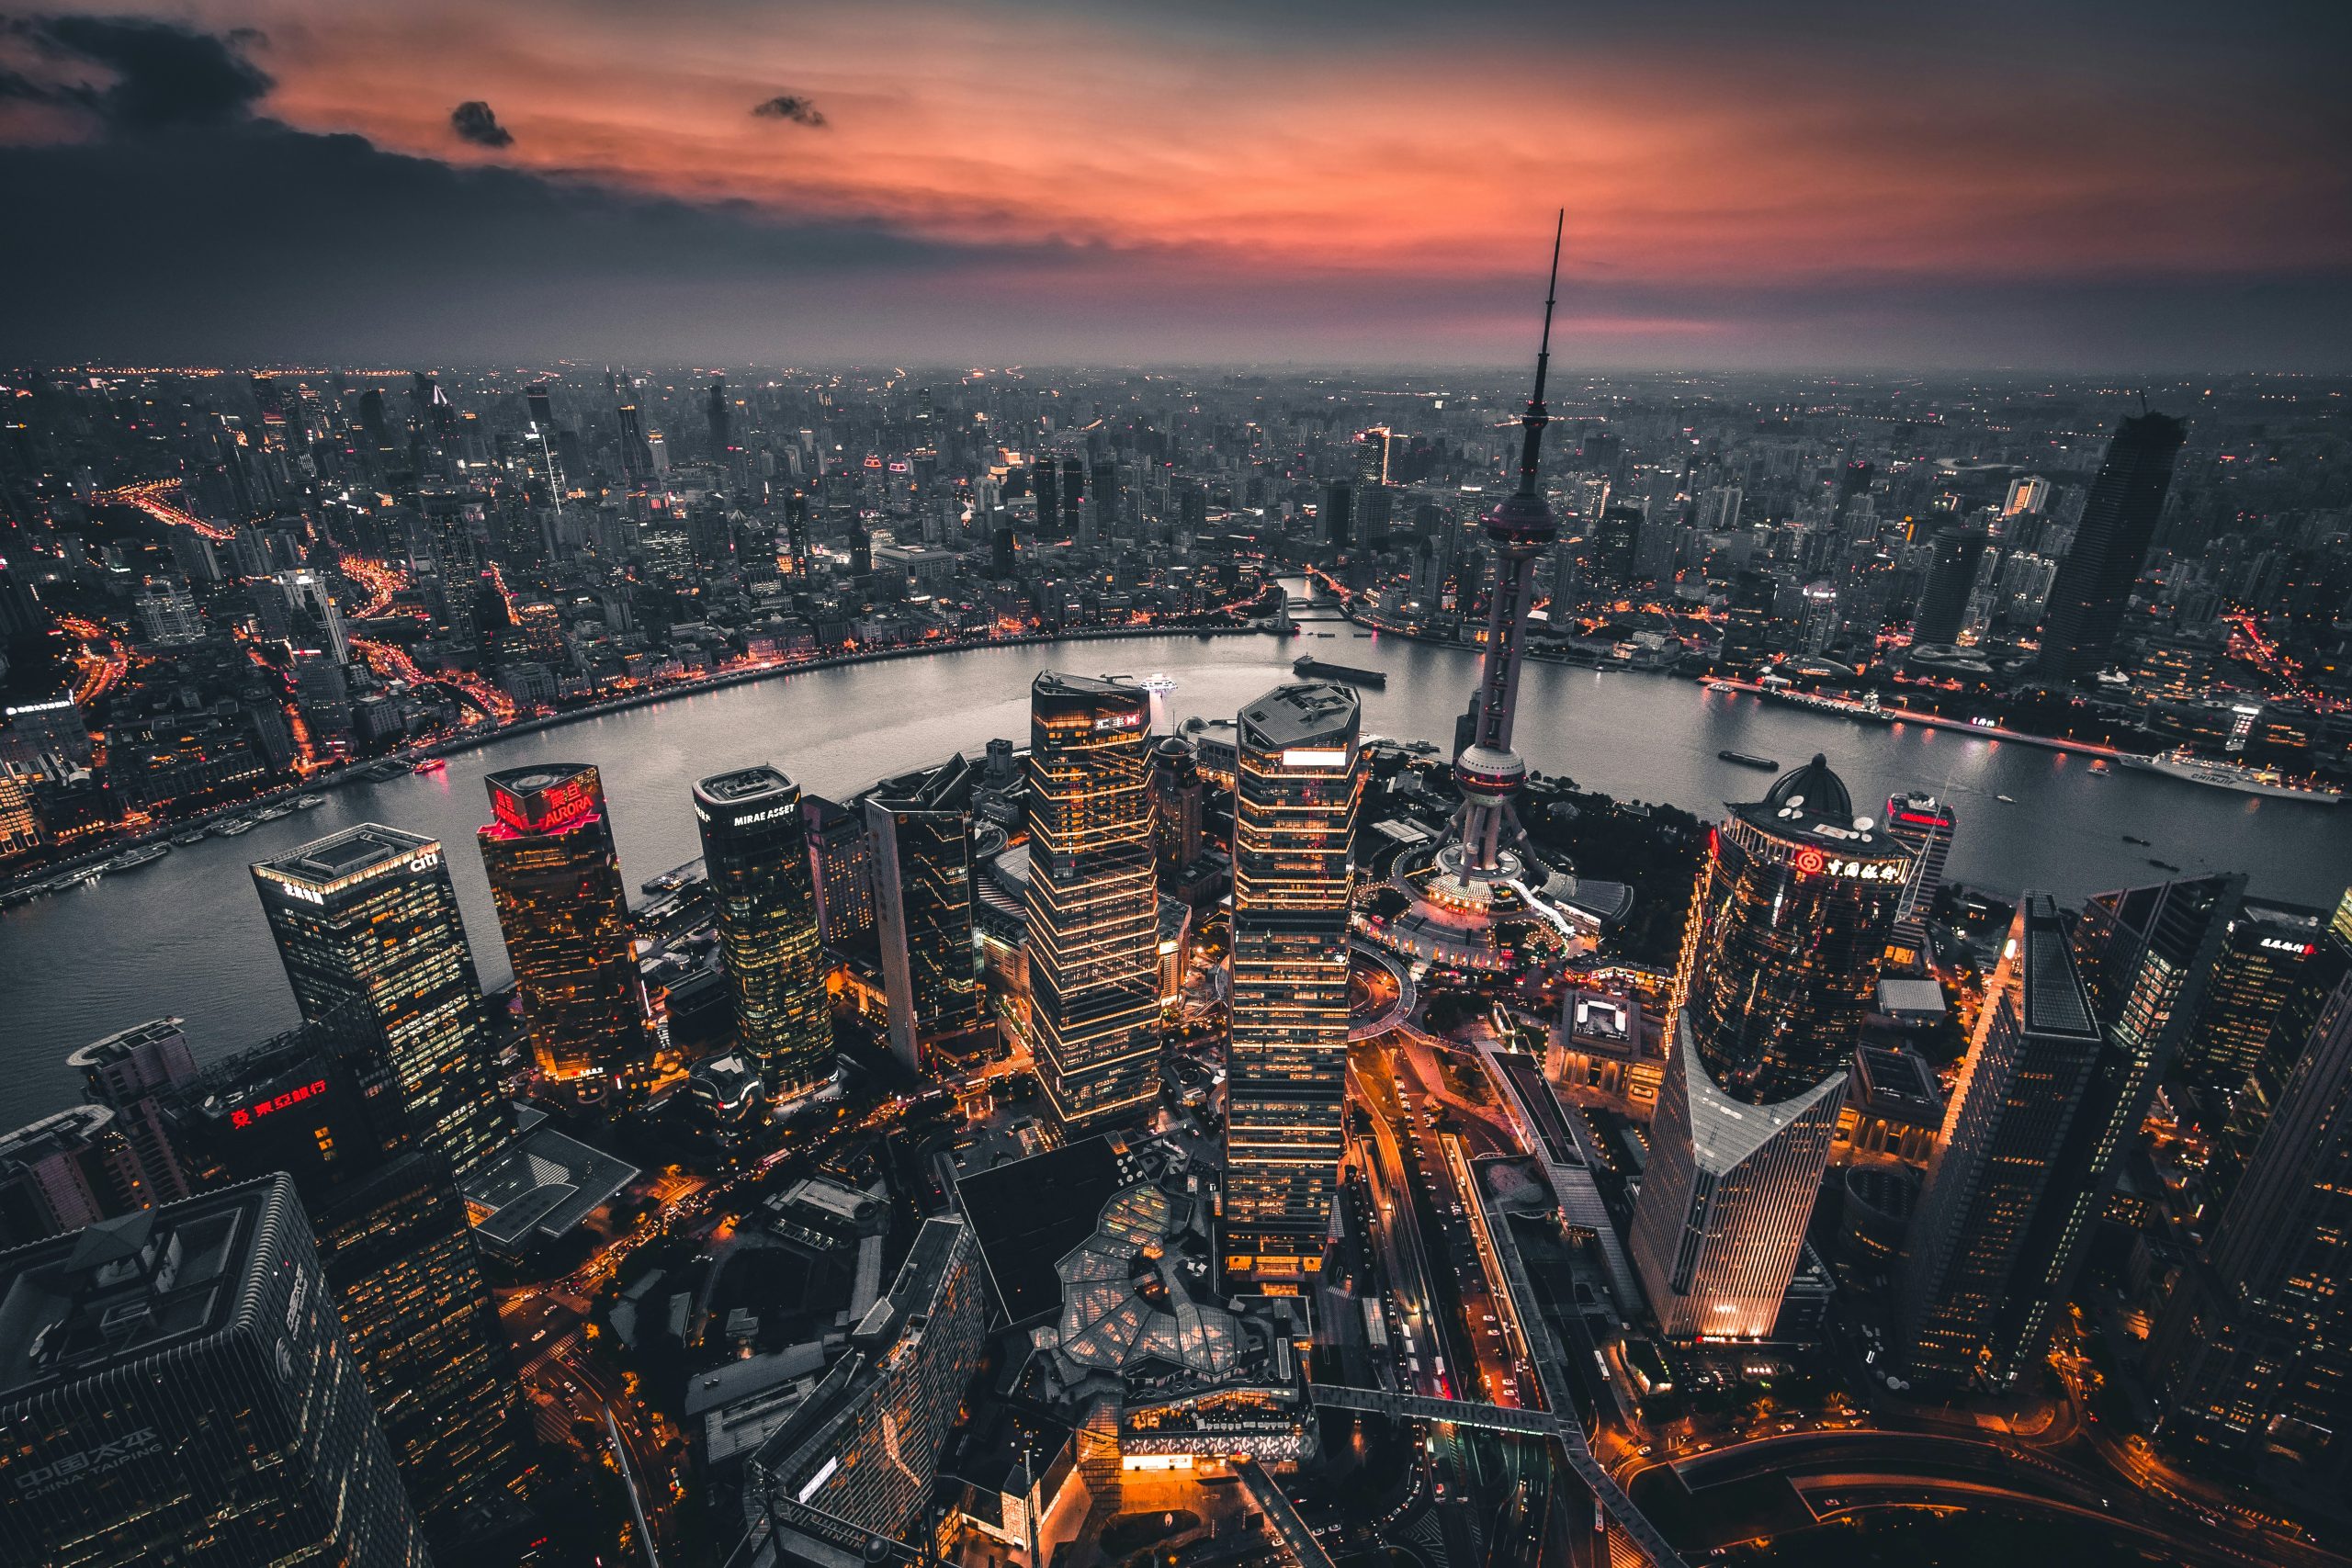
[1346, 674]
[2185, 764]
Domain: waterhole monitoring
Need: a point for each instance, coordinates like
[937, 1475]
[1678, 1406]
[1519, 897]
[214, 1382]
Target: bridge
[1297, 1541]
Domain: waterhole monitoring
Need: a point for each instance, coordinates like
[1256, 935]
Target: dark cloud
[474, 122]
[163, 76]
[791, 106]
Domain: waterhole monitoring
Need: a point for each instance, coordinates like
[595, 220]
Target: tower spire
[1537, 416]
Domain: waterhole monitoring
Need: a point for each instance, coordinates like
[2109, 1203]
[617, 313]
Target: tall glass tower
[1298, 776]
[176, 1388]
[921, 829]
[2020, 1088]
[1094, 906]
[555, 876]
[755, 849]
[1787, 934]
[367, 919]
[2085, 610]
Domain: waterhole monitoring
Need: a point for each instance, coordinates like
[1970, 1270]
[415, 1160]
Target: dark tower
[1944, 606]
[755, 847]
[2086, 606]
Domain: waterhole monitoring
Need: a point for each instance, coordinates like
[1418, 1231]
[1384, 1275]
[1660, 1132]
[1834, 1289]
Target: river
[185, 935]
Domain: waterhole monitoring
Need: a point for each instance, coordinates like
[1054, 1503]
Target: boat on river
[2185, 764]
[1746, 760]
[1346, 674]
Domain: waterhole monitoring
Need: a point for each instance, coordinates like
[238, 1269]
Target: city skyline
[1231, 187]
[1841, 1047]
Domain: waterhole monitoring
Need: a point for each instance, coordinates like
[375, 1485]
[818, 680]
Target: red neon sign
[1809, 862]
[247, 1115]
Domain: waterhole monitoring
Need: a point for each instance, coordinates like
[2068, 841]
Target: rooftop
[1312, 714]
[128, 1289]
[325, 863]
[742, 785]
[540, 1188]
[1027, 1215]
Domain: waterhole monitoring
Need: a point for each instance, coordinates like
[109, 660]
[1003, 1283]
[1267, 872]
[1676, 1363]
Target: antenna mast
[1537, 417]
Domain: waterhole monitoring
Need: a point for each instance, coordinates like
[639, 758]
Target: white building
[1720, 1224]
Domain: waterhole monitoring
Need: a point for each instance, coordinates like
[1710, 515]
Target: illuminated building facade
[367, 919]
[2253, 1357]
[1923, 825]
[555, 876]
[2143, 954]
[1301, 775]
[2037, 1041]
[2265, 993]
[755, 852]
[175, 1390]
[921, 827]
[840, 860]
[1789, 928]
[857, 1458]
[395, 1244]
[1093, 905]
[1719, 1227]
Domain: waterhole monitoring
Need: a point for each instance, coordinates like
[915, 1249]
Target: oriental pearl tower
[1483, 877]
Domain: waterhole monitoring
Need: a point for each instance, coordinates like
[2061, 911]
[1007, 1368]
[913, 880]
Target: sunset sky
[2047, 185]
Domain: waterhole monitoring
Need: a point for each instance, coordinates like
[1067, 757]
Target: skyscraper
[1719, 1227]
[2037, 1041]
[755, 850]
[368, 919]
[555, 876]
[1788, 930]
[920, 827]
[2144, 955]
[2085, 610]
[176, 1388]
[1952, 578]
[1298, 776]
[2267, 984]
[855, 1461]
[394, 1244]
[2252, 1360]
[840, 860]
[1174, 775]
[1093, 909]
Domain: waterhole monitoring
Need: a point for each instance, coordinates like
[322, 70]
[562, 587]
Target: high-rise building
[2144, 955]
[1075, 513]
[2251, 1359]
[756, 850]
[395, 1245]
[2085, 610]
[177, 1389]
[2265, 993]
[841, 862]
[133, 1073]
[1176, 794]
[1923, 825]
[920, 827]
[1719, 1228]
[70, 1169]
[368, 919]
[1094, 906]
[1617, 545]
[1952, 578]
[1339, 515]
[555, 876]
[1788, 930]
[2037, 1042]
[1298, 775]
[855, 1461]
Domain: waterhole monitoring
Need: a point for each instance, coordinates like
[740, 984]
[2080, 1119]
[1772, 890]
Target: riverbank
[106, 846]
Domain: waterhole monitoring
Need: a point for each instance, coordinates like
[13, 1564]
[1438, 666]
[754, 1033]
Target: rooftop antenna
[1536, 417]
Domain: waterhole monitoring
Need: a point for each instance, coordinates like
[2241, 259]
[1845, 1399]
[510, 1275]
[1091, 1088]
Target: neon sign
[246, 1116]
[1809, 861]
